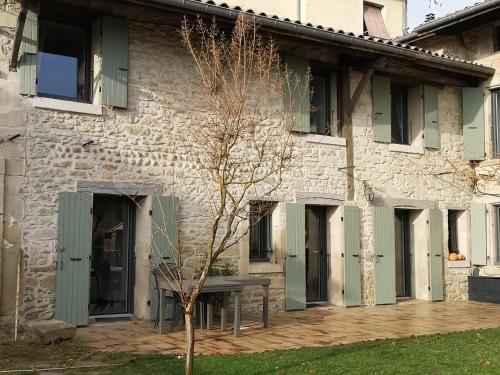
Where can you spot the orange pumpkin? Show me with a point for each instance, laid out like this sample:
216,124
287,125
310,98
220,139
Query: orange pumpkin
462,257
453,256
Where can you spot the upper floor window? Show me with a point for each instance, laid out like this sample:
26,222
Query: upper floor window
373,22
324,102
71,53
400,124
261,223
495,108
63,60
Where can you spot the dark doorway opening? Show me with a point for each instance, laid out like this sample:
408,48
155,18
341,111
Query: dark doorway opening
112,261
316,267
403,254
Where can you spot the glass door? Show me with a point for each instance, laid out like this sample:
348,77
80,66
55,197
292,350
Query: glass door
403,257
112,260
316,266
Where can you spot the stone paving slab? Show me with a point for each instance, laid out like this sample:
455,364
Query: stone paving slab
314,327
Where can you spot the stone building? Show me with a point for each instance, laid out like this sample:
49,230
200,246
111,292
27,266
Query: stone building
473,34
89,111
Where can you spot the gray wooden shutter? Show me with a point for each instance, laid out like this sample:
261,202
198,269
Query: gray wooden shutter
334,112
28,52
352,257
436,254
163,239
296,95
381,98
431,117
114,61
384,255
478,234
473,123
295,245
73,257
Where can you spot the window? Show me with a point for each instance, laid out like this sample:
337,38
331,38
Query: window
373,22
63,63
400,126
453,246
261,230
497,232
324,102
495,108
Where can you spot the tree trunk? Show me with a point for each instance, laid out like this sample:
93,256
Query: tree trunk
188,317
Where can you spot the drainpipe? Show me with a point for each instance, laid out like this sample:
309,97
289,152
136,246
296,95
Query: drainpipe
301,10
405,18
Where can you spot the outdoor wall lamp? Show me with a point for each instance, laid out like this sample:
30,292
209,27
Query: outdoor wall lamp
369,194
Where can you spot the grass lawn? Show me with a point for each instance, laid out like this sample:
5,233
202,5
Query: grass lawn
474,352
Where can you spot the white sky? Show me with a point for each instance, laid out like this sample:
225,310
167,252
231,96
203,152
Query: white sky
417,9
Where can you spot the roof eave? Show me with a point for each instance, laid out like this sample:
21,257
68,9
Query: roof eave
349,40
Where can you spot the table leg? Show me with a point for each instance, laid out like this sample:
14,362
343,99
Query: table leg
237,313
223,318
209,315
161,308
265,305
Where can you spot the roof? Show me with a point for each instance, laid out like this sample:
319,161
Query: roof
461,15
381,46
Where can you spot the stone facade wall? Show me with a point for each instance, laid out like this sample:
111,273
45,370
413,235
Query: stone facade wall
12,161
478,45
141,143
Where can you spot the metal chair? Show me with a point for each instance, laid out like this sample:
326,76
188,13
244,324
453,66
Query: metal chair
174,299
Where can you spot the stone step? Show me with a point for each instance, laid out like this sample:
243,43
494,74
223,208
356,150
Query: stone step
49,331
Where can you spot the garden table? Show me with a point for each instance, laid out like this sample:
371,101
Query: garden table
220,284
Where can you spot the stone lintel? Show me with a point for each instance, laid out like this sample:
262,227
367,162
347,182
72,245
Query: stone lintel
119,188
411,204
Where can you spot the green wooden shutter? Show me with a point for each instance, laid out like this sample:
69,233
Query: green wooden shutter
334,112
478,234
384,255
381,97
28,51
436,254
295,245
473,123
352,257
296,95
114,61
431,117
73,258
163,239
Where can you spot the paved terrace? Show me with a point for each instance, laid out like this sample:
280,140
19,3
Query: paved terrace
321,326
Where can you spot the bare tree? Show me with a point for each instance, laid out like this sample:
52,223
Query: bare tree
239,139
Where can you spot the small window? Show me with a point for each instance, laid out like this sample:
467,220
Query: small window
261,224
373,21
453,246
324,103
495,108
63,60
400,126
457,232
497,232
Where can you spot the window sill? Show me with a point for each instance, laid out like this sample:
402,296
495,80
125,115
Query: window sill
264,267
459,264
407,149
326,140
67,106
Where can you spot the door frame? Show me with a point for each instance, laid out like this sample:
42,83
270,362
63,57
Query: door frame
323,266
407,253
129,226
